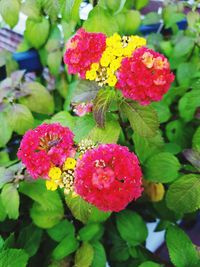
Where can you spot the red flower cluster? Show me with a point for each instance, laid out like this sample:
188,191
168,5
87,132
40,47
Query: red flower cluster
82,50
145,76
47,145
108,177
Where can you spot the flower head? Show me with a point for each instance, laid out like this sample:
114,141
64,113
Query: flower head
145,76
82,108
84,49
46,146
108,177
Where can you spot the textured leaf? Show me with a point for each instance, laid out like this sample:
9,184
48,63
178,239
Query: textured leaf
61,230
193,157
70,11
101,105
2,211
183,46
181,250
39,99
54,60
13,258
139,4
89,231
5,135
65,119
132,21
84,255
131,227
185,72
196,140
183,195
31,8
20,118
99,259
149,264
9,10
162,167
67,246
10,200
143,119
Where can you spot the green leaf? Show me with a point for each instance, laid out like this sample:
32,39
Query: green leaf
163,111
193,157
131,227
84,91
29,239
162,167
184,194
52,8
6,134
181,250
149,264
100,20
79,207
70,12
120,251
65,119
139,4
84,255
54,60
188,105
101,105
20,118
89,231
36,33
39,99
67,246
185,73
108,134
97,215
146,147
61,230
99,259
183,46
132,21
143,119
31,8
196,139
2,211
13,258
10,200
151,18
9,10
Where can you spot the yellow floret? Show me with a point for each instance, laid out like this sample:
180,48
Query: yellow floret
91,75
55,173
51,185
95,66
69,164
115,64
105,60
112,80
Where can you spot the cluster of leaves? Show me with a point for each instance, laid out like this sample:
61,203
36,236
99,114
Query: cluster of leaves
42,227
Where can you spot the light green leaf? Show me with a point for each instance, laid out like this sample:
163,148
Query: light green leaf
9,10
39,99
84,255
143,119
149,264
162,167
139,4
10,200
196,139
36,32
31,8
132,21
20,118
99,259
163,111
54,62
151,18
2,211
183,195
185,72
181,250
67,246
61,230
6,134
183,46
146,147
188,105
65,119
131,227
89,231
97,215
13,258
29,239
70,12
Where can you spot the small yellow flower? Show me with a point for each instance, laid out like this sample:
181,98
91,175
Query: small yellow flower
91,75
69,164
148,60
115,64
51,185
55,173
112,80
95,66
155,191
105,60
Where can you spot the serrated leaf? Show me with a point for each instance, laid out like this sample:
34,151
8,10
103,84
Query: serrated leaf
10,200
67,246
65,119
99,259
84,255
131,227
196,139
13,257
120,251
6,134
143,119
188,105
29,239
37,32
181,250
163,111
84,91
185,73
183,195
39,99
162,167
20,118
101,105
61,230
9,10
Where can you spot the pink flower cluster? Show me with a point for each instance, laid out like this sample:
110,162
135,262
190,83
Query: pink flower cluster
145,76
108,177
82,109
47,145
82,50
